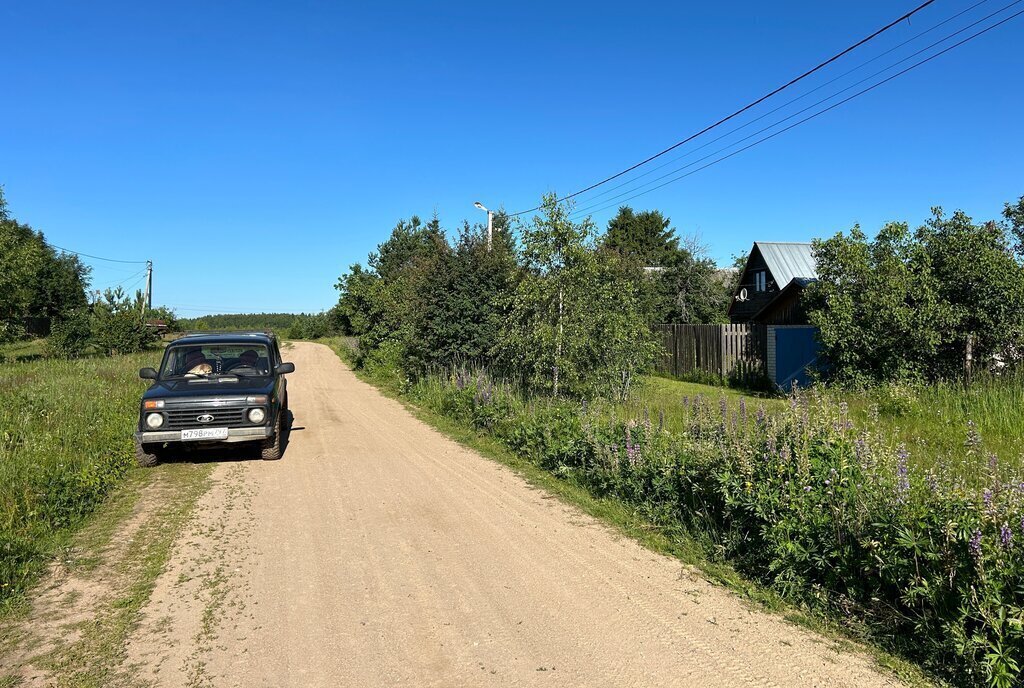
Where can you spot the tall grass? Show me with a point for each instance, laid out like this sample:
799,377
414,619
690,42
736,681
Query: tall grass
65,440
936,420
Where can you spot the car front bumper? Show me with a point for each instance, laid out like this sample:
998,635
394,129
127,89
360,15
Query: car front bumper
234,435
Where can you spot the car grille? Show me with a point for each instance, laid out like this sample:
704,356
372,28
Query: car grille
178,419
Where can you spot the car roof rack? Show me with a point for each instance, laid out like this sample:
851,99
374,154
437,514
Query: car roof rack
246,333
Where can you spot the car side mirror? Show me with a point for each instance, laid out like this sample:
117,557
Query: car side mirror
283,368
147,374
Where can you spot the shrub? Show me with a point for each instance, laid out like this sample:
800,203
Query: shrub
117,324
70,335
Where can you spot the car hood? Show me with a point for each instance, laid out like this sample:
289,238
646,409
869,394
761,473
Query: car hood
185,389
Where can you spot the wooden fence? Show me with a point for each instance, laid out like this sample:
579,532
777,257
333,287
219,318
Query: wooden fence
729,351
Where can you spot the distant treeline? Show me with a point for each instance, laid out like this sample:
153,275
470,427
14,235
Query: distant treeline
239,321
289,325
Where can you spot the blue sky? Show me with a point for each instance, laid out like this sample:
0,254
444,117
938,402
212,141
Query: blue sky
254,150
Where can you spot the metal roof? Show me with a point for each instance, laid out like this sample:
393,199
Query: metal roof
788,261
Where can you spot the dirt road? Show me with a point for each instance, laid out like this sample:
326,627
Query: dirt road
379,553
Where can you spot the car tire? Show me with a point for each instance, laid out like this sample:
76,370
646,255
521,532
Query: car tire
271,449
147,455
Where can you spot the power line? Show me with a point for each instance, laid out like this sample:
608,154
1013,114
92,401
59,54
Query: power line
86,255
818,88
584,210
743,109
821,112
122,281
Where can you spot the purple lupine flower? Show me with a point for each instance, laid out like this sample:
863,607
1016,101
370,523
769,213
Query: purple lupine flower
902,473
993,463
760,414
1005,536
986,497
807,489
975,546
743,410
933,481
632,450
844,416
686,402
860,450
784,453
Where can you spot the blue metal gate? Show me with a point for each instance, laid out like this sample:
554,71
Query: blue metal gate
795,350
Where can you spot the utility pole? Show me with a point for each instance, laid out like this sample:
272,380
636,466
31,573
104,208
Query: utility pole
149,284
490,225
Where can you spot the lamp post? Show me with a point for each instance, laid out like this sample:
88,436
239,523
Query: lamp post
490,224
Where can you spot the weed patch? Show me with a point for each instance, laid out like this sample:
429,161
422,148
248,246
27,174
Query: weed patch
65,441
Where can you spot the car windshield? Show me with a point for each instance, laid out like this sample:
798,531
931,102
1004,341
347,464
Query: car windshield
216,360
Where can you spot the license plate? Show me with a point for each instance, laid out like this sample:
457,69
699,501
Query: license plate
205,434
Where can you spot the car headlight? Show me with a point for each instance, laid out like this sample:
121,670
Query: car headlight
154,420
257,415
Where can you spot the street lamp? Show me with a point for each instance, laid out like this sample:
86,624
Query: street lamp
490,223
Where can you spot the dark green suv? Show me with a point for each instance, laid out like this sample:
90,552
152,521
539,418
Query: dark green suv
215,388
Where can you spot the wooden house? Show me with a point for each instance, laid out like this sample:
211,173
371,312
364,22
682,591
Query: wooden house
771,284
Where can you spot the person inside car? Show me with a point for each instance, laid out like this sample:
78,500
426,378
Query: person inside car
248,359
196,363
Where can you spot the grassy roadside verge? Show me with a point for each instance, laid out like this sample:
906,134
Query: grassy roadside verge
633,523
65,443
74,628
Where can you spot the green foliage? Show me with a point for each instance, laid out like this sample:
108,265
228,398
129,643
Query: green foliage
646,236
461,300
70,334
169,318
905,305
65,441
424,303
117,323
826,513
35,280
577,323
277,322
310,326
1014,214
683,283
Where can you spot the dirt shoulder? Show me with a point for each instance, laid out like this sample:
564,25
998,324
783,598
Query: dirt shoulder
72,629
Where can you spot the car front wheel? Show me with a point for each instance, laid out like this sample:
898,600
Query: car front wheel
147,455
271,449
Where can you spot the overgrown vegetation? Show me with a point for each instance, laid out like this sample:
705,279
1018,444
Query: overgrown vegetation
930,305
562,308
65,440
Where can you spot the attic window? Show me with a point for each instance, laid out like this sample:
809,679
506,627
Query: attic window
760,280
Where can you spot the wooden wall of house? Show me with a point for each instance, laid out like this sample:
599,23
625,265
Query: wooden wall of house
788,309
